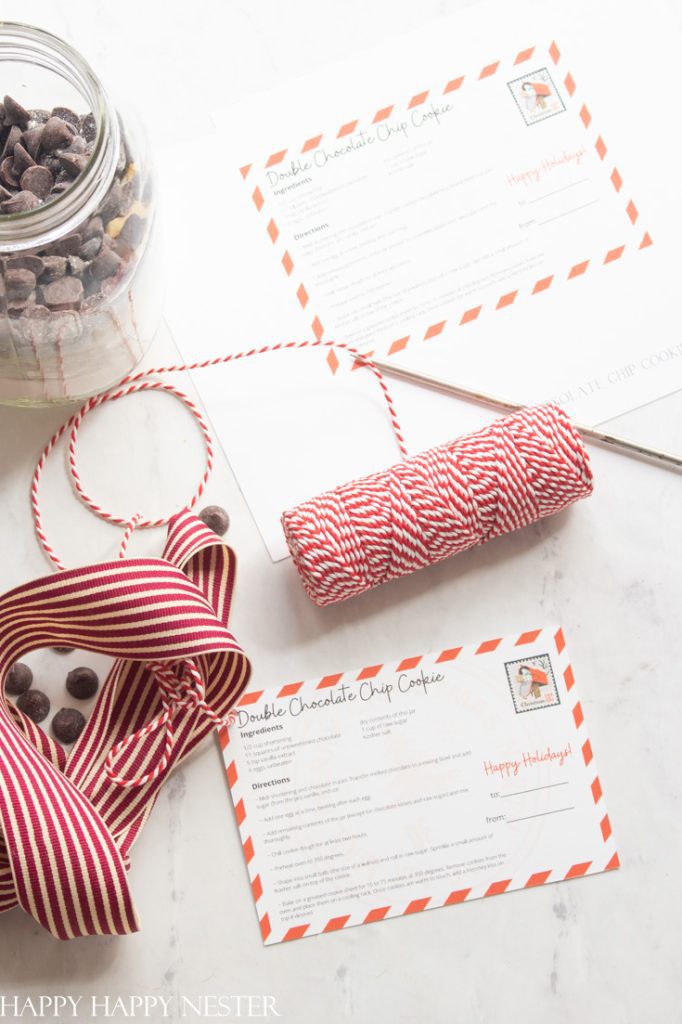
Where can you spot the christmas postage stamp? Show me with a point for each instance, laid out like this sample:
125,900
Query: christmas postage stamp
532,684
536,96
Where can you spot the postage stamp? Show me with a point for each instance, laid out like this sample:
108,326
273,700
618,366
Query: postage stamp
531,683
536,96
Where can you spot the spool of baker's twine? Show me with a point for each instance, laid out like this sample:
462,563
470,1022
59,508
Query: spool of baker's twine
424,509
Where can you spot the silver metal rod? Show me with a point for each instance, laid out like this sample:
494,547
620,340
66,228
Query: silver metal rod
622,444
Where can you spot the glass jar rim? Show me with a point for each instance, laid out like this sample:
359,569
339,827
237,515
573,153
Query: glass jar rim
39,227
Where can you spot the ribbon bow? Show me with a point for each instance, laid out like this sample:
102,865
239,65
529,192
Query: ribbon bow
68,822
180,687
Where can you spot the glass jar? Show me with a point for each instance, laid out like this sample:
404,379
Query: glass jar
80,298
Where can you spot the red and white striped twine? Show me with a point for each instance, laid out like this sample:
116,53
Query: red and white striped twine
424,509
143,381
437,503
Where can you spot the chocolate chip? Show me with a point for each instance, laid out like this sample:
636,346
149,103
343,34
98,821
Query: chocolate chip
22,160
89,249
31,141
77,266
19,679
32,263
88,127
93,228
38,117
4,194
7,175
74,163
13,137
68,724
78,145
52,163
112,203
66,115
19,283
53,267
63,650
63,294
216,518
56,134
67,246
37,180
133,230
106,264
82,683
22,202
14,112
35,705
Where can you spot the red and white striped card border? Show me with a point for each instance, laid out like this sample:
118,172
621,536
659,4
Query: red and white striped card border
607,860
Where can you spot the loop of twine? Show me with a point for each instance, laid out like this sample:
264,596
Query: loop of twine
142,381
177,692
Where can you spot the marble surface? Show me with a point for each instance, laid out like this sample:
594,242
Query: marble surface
603,948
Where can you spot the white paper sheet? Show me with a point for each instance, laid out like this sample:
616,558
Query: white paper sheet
495,232
418,784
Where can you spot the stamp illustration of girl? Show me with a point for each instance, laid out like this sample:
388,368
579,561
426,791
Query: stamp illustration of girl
535,95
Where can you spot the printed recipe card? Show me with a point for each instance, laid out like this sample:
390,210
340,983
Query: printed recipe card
465,198
402,787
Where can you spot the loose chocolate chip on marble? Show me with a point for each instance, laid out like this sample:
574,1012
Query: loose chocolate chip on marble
65,293
67,246
37,180
216,518
56,134
32,263
13,137
53,267
68,724
82,683
88,127
104,265
14,112
133,230
30,140
89,249
35,704
22,202
63,650
19,283
74,163
7,175
19,679
22,160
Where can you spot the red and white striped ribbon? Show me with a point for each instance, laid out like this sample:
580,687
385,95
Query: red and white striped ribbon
67,825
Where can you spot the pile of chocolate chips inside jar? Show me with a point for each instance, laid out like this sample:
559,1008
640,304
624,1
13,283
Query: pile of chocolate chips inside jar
59,300
43,154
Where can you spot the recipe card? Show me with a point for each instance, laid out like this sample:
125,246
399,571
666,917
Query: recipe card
489,199
421,783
